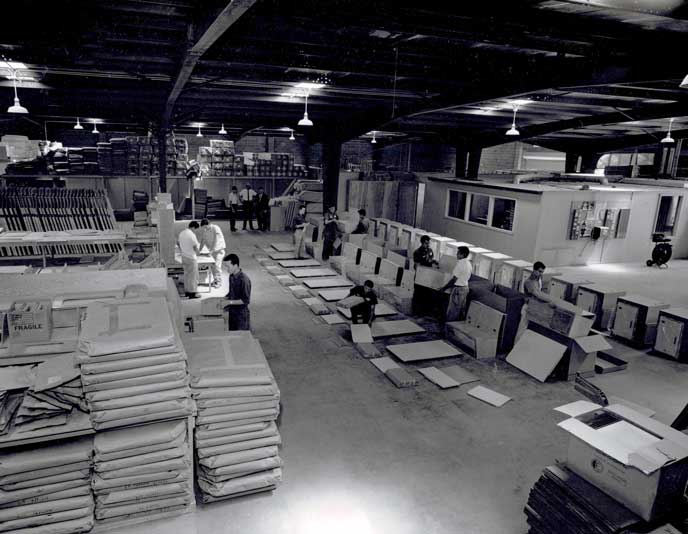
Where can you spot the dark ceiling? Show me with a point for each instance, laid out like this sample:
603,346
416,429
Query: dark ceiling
602,72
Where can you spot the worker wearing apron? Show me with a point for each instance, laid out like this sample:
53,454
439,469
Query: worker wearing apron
239,295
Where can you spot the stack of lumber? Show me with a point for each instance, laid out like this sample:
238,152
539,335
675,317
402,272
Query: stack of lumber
236,436
143,472
47,489
133,366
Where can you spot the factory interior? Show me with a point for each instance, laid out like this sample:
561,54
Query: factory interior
340,267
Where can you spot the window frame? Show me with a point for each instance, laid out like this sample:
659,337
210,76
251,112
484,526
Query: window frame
490,211
679,207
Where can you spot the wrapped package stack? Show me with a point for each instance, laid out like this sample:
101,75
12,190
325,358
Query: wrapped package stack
133,367
47,489
143,472
237,440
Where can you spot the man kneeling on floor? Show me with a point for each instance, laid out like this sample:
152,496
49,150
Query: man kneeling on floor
239,295
364,313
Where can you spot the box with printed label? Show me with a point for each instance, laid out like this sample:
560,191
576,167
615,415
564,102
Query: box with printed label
29,321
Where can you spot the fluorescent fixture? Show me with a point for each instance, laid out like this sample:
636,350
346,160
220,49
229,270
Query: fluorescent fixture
668,138
78,126
309,86
16,65
199,134
519,102
222,130
513,131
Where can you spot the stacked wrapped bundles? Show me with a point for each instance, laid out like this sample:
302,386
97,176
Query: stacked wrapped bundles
119,148
143,471
105,158
133,368
237,440
47,489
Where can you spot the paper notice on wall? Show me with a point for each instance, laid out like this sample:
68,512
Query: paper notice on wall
249,159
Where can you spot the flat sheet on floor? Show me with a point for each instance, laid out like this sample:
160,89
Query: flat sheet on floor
401,378
536,355
423,350
283,247
332,295
460,374
312,273
299,291
436,376
385,363
361,333
283,255
333,318
317,283
291,264
401,327
489,396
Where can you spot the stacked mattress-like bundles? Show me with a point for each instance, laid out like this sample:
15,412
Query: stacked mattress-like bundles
47,490
143,471
237,440
133,367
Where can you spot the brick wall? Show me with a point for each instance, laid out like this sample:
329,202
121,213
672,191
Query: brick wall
500,158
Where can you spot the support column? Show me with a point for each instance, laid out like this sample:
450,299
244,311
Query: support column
332,156
461,161
589,162
162,159
473,162
571,164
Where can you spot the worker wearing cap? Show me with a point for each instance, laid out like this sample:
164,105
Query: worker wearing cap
214,240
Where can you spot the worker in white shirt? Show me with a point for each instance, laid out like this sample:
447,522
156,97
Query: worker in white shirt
212,237
233,205
247,196
190,247
459,286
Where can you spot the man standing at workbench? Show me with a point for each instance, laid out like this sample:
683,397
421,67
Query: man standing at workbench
239,295
190,248
213,238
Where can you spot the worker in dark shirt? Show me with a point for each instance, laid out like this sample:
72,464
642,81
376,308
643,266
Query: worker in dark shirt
424,255
262,203
239,295
364,313
363,223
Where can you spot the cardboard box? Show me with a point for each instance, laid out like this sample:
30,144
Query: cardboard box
432,278
640,462
30,321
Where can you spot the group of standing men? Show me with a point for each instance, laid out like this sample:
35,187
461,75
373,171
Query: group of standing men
251,203
191,241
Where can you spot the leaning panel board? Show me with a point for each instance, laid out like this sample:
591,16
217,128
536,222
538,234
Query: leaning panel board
282,255
311,273
283,247
404,327
290,264
317,283
536,355
423,350
332,295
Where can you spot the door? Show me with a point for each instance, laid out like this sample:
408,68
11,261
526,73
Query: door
625,320
587,300
669,332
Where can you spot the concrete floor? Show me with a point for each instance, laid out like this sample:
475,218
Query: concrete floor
363,457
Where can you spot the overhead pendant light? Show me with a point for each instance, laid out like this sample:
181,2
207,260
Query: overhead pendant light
668,138
291,137
684,83
513,131
95,128
374,141
17,107
78,126
306,121
199,134
222,130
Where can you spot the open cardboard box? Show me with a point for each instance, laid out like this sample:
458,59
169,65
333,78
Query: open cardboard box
640,462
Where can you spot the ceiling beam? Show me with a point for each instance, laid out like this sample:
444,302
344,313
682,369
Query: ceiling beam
228,16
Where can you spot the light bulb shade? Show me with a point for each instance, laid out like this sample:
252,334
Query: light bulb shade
305,121
668,139
17,107
199,134
374,141
512,131
78,126
95,130
222,130
684,83
291,137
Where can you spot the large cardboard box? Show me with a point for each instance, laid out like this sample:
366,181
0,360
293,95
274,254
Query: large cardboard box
640,462
30,321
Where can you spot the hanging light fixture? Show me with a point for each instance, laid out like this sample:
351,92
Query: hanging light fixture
291,137
374,141
513,131
668,138
78,126
222,130
306,121
95,127
17,107
199,134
